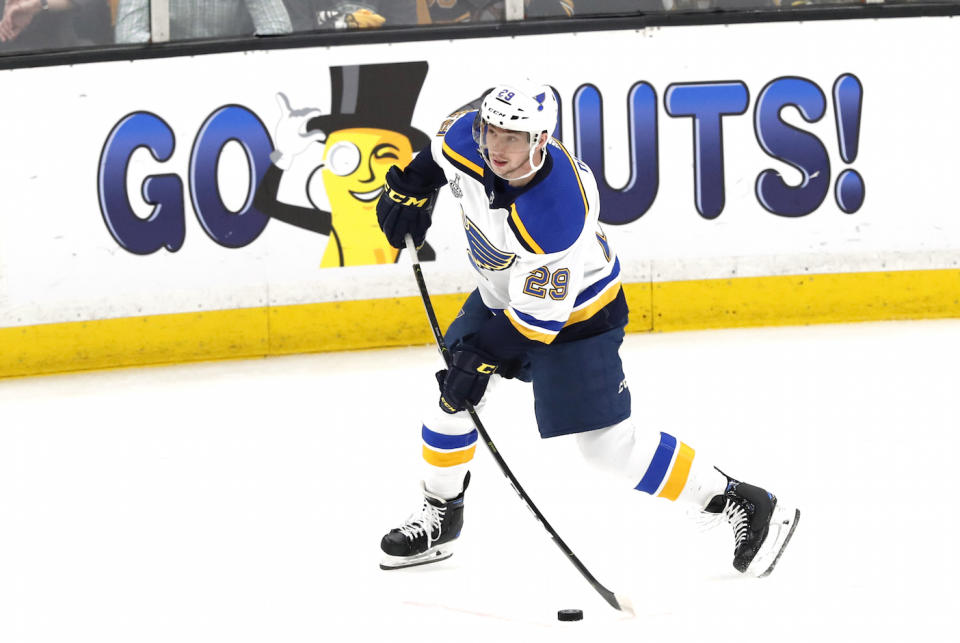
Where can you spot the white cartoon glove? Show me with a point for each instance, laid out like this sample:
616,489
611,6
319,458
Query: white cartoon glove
291,135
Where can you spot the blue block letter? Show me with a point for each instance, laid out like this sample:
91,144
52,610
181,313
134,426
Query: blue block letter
228,123
796,147
630,202
165,225
707,103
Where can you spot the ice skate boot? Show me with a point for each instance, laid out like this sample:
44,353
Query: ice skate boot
427,536
761,526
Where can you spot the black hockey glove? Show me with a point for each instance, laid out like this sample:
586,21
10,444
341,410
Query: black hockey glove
400,212
465,380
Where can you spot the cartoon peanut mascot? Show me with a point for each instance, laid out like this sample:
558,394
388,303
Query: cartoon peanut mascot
367,131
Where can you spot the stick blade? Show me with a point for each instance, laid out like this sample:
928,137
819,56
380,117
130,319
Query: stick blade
625,604
617,601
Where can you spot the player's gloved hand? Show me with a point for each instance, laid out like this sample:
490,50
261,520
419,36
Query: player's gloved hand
400,212
364,19
466,379
290,135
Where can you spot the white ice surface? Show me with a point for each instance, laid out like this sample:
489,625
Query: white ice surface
244,501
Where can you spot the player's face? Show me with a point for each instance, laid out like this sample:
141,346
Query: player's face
509,151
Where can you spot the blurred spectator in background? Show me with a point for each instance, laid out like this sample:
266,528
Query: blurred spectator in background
600,7
32,25
447,11
204,19
310,15
548,8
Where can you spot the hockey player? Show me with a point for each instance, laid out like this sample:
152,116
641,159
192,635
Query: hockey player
548,309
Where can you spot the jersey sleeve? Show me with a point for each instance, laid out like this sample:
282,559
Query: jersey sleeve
423,174
454,145
428,169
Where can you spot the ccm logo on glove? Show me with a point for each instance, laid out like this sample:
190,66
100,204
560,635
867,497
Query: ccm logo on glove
403,199
403,213
487,369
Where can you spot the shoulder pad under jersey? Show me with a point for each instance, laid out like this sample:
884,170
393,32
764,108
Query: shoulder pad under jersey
550,216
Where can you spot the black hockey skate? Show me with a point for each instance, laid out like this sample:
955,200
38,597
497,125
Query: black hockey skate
426,536
761,527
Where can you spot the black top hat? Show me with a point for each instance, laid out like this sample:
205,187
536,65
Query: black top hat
382,96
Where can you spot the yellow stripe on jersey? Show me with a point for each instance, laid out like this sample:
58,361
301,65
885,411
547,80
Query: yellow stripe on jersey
448,458
679,473
523,231
529,333
459,158
590,310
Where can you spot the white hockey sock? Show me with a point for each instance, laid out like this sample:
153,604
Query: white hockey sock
664,466
703,483
449,442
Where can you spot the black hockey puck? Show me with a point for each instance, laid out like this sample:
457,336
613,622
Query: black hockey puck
570,615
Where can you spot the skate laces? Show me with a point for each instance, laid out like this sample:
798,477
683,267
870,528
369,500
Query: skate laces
737,516
732,513
424,522
704,520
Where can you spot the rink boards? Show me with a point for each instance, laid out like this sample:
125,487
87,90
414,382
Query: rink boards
810,184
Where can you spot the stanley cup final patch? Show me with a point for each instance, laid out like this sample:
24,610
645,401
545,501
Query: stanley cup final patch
455,187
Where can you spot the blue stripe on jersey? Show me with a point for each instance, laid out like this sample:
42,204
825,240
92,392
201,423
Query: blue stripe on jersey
443,441
554,210
659,465
594,289
552,326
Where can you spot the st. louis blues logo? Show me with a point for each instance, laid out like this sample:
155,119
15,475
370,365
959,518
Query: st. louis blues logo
483,254
540,98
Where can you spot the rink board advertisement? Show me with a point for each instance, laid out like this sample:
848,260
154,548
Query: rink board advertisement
749,174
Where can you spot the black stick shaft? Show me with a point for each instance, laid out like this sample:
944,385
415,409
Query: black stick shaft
607,595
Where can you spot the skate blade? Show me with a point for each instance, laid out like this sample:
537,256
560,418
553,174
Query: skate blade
782,525
432,555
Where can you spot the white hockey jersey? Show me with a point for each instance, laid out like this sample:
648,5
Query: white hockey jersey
541,257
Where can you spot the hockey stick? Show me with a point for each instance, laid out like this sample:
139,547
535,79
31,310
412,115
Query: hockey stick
616,601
